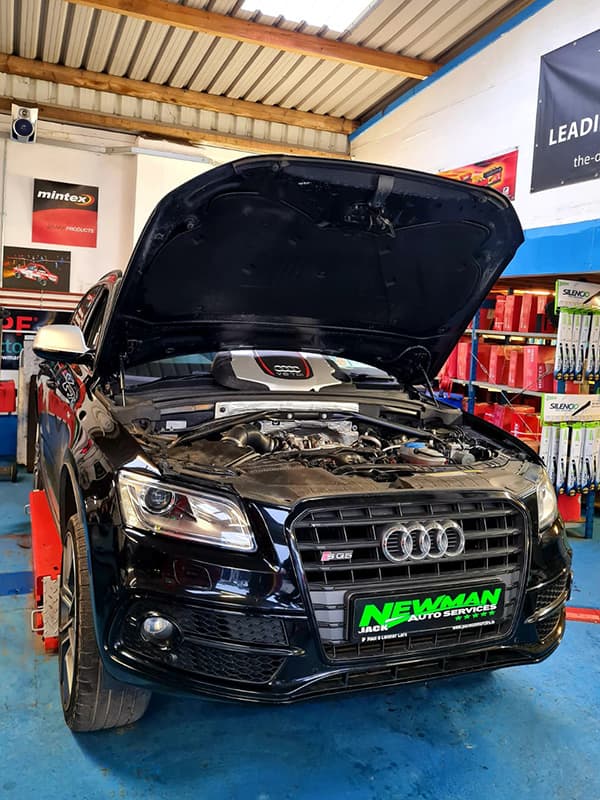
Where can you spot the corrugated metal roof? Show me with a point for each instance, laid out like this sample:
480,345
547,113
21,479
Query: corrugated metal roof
81,37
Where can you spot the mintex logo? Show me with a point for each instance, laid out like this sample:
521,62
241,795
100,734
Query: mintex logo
76,199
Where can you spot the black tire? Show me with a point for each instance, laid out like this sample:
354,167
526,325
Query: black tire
37,474
32,422
88,704
43,283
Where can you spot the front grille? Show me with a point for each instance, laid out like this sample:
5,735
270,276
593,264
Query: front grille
551,591
495,532
200,659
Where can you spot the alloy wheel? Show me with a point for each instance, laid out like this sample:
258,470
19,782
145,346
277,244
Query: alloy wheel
67,620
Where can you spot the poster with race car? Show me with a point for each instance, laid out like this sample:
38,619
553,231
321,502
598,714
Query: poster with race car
36,270
499,172
64,213
19,323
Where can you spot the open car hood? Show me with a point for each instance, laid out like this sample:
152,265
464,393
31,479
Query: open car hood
381,265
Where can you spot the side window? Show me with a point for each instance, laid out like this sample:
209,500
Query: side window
85,304
93,321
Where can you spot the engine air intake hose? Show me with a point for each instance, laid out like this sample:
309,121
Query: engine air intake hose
249,436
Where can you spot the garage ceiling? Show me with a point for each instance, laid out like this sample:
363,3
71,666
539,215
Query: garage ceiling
206,71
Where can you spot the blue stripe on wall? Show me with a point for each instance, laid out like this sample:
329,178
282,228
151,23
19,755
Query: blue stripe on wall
570,248
16,583
523,15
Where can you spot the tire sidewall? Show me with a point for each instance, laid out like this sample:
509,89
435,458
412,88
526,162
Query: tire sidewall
76,622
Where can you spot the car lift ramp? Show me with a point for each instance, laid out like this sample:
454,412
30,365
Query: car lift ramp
46,553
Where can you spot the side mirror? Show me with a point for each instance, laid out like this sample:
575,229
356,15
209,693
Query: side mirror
62,343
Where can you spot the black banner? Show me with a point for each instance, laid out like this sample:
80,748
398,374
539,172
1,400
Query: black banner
567,130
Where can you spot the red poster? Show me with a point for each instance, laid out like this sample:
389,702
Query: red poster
499,172
64,213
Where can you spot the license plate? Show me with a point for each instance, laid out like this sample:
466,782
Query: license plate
393,616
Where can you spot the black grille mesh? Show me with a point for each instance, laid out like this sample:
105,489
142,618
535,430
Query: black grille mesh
221,625
494,548
551,592
200,659
548,624
198,627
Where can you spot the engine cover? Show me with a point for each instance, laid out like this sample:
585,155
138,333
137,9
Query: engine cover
273,371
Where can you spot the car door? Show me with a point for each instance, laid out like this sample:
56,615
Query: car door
61,388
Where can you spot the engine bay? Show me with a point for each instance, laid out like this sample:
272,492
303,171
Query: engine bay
260,412
375,441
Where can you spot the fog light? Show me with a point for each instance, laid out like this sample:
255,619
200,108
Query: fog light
157,629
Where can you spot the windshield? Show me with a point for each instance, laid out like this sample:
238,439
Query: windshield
200,364
183,366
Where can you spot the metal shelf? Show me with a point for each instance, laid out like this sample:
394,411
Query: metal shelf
494,387
522,334
550,337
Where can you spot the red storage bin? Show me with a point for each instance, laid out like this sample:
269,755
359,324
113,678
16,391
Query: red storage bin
463,360
515,367
449,368
498,372
521,420
499,313
483,409
512,312
529,310
538,367
8,397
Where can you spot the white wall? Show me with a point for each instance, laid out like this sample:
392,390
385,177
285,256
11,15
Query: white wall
155,176
487,106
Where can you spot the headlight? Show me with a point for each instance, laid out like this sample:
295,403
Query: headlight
547,503
148,504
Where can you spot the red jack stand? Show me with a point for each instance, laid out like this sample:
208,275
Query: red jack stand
46,549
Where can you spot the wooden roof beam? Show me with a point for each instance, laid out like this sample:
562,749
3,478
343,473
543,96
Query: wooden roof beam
194,19
102,82
176,133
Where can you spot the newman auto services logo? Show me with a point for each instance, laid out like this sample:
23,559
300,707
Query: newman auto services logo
377,619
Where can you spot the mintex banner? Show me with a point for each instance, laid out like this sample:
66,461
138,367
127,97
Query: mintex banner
64,213
499,172
567,129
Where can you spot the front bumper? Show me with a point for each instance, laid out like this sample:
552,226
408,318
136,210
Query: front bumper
252,635
307,678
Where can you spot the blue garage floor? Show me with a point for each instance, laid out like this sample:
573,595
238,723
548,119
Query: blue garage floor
528,732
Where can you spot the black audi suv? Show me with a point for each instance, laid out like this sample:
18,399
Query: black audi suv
259,497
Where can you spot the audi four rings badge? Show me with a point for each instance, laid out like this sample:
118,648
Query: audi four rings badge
416,541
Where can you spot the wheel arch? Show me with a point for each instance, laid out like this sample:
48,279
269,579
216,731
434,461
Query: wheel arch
70,499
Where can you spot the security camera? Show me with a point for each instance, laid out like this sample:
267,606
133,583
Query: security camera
24,124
